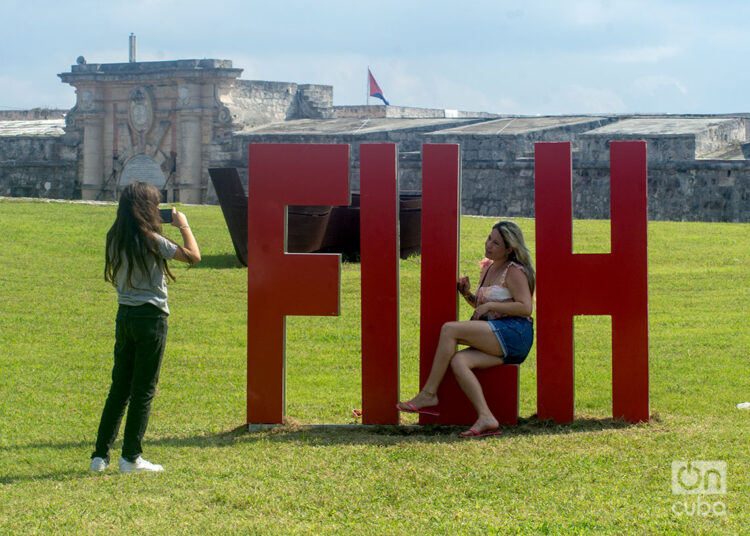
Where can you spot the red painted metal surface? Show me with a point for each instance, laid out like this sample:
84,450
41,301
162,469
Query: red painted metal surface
379,200
280,283
598,284
441,189
500,388
441,196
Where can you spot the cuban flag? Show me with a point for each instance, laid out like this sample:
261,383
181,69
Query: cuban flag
375,90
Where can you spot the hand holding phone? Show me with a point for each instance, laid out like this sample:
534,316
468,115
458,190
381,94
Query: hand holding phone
179,219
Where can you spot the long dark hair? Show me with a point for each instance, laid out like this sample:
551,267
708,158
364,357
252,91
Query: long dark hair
513,237
132,234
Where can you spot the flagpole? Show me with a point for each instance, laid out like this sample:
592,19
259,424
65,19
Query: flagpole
367,92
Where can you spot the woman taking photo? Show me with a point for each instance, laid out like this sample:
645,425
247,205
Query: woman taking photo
136,258
499,332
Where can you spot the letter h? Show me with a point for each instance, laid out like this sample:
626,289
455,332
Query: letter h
599,284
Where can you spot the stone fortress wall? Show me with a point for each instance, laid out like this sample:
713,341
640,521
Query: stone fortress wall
168,122
696,165
36,158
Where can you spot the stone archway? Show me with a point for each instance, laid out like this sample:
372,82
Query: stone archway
146,115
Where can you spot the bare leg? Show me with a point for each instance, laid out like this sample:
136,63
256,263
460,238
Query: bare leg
462,364
476,334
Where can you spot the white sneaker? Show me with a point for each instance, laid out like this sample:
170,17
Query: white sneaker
139,466
98,464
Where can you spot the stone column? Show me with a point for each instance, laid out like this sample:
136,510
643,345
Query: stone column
189,161
93,157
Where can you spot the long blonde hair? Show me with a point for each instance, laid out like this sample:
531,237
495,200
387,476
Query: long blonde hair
513,237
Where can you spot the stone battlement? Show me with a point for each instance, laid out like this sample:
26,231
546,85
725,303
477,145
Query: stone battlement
36,114
147,67
404,112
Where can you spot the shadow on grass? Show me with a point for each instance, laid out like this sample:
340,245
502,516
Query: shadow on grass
59,476
388,435
218,262
340,434
333,435
392,434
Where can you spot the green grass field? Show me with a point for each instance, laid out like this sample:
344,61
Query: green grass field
595,476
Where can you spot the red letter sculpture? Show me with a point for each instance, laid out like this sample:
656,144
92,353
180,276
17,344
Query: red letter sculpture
441,197
441,202
280,283
598,284
379,200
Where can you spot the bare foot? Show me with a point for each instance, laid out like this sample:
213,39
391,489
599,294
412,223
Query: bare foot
483,425
423,400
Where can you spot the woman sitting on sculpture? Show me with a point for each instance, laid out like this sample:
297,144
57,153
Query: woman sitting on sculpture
499,332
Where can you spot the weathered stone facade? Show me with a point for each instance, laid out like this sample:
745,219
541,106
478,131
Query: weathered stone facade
161,121
168,122
36,158
498,159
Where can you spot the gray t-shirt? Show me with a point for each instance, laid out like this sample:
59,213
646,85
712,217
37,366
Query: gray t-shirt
149,288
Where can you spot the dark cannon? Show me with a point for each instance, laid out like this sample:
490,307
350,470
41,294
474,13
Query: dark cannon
314,228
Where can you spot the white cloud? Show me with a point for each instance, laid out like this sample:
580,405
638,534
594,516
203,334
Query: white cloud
438,91
25,94
650,86
596,12
644,54
514,57
347,73
588,12
579,99
404,82
427,84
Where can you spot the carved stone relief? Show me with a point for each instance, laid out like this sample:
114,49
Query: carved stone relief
86,100
140,110
183,96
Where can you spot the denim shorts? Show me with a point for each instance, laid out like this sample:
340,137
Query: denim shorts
515,334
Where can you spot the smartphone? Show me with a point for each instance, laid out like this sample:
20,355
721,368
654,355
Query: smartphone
166,215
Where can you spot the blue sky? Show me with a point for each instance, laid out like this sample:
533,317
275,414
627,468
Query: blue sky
516,57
